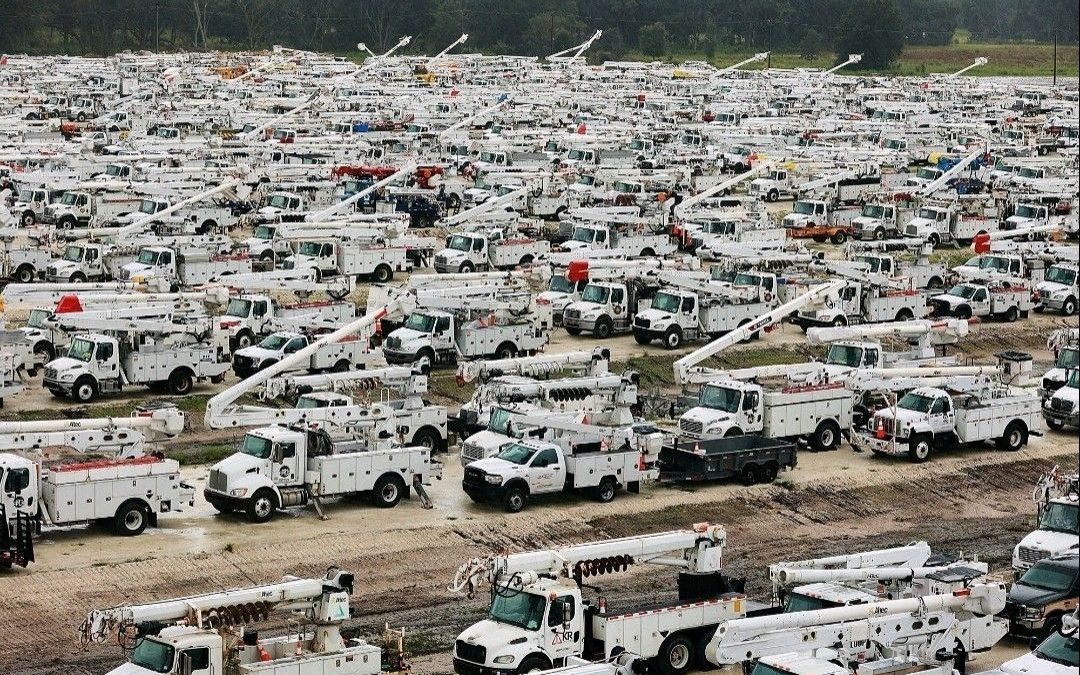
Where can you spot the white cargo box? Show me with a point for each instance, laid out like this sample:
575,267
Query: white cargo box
93,490
990,417
359,660
589,468
643,632
474,340
797,411
357,472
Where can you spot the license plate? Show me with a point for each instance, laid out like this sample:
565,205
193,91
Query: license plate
1057,421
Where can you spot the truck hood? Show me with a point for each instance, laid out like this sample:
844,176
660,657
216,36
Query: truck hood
65,363
865,220
61,264
488,440
1020,221
573,245
237,464
257,353
133,268
1047,540
451,254
255,242
557,299
269,211
1049,288
1067,394
1030,596
586,308
656,315
499,467
1029,664
407,336
494,635
131,669
944,298
796,219
707,417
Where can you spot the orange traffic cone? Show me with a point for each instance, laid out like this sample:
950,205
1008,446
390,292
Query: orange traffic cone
879,433
263,654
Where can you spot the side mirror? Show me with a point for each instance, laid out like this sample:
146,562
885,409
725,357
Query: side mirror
277,455
558,612
186,666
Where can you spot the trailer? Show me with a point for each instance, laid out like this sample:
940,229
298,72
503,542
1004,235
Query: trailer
751,459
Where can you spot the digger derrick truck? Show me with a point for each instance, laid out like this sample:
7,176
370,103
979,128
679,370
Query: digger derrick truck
539,617
212,633
1057,501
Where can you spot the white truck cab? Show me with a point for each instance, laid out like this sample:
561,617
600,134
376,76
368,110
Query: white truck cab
1058,533
1058,654
1062,409
1059,290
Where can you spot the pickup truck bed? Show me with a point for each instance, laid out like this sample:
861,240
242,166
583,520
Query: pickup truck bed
724,458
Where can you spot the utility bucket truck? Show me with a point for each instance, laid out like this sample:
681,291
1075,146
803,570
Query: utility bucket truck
494,249
214,633
1057,503
539,616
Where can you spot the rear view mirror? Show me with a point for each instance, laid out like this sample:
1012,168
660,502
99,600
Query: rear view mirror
186,666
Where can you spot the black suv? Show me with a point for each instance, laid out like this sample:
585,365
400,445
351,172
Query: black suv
1049,590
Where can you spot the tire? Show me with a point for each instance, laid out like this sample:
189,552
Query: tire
342,366
180,382
382,274
919,449
839,322
429,355
647,252
879,234
266,256
244,339
45,350
533,664
935,283
673,338
642,339
1055,426
1014,438
260,508
826,436
934,240
85,390
24,274
429,438
28,218
773,195
820,239
67,223
515,499
749,474
904,314
839,238
81,117
388,491
207,226
525,260
769,472
1068,308
506,350
603,328
466,268
1012,314
78,278
676,655
963,312
605,492
573,331
131,519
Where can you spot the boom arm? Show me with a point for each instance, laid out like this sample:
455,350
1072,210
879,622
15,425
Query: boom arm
533,366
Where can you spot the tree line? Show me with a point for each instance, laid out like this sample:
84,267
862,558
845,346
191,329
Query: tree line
652,28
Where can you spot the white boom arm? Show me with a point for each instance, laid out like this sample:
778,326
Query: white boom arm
122,436
484,207
698,550
719,188
399,378
400,43
884,623
225,607
138,225
534,366
684,366
788,578
221,411
457,125
932,186
914,554
948,329
331,210
981,61
851,60
577,50
460,41
756,58
285,115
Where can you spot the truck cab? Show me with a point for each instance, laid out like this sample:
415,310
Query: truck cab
153,262
992,264
773,186
924,176
318,255
1059,289
147,207
265,244
1058,534
538,465
426,336
1062,409
604,308
561,291
281,204
807,213
1027,215
588,237
29,206
1043,595
466,252
91,366
73,208
80,262
19,478
1058,654
176,650
249,360
876,221
727,408
244,318
931,223
1066,360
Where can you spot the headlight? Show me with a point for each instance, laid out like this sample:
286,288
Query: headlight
1032,612
238,492
67,377
504,659
494,480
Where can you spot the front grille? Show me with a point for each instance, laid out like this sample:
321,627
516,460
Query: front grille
692,427
241,361
642,322
472,452
1031,556
217,481
50,374
440,260
1061,405
470,652
571,314
474,477
392,342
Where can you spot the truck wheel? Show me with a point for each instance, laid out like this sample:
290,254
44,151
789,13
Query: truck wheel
573,331
642,338
673,338
840,237
44,352
85,390
67,223
605,492
769,472
342,366
1055,425
244,339
515,499
749,474
180,382
266,256
78,278
839,321
603,328
207,226
1012,314
533,664
826,436
466,267
506,350
382,274
525,260
879,234
388,491
904,314
935,283
676,655
1015,437
261,507
428,438
934,240
28,218
25,274
130,519
426,359
919,449
1068,308
819,239
647,252
773,195
963,312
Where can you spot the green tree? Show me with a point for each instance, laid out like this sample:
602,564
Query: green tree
551,32
810,45
872,28
653,39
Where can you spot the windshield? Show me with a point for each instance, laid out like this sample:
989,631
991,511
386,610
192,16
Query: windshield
576,154
916,402
624,187
153,655
147,257
38,317
637,144
238,307
26,196
263,232
68,199
499,421
844,355
797,602
872,263
488,157
719,398
742,279
962,291
112,170
1060,517
274,342
81,349
73,253
278,201
993,262
515,453
560,284
1059,648
147,206
1028,172
256,446
873,211
1048,577
420,322
765,669
666,302
586,180
307,403
1074,380
1068,358
597,294
310,248
460,243
1061,275
584,234
1026,211
718,227
930,214
804,208
928,174
523,610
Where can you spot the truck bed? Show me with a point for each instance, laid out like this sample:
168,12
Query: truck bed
355,472
723,457
91,490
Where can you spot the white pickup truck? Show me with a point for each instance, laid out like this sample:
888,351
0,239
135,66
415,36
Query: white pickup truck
338,357
1008,302
529,468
